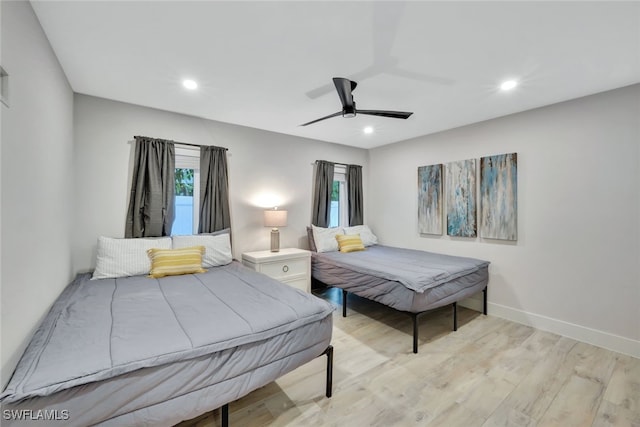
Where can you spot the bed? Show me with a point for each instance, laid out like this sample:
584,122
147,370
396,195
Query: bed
407,280
142,351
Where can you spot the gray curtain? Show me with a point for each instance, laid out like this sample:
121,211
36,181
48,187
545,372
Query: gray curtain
322,186
151,202
354,194
214,190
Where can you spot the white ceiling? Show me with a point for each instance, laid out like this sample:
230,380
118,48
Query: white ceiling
268,65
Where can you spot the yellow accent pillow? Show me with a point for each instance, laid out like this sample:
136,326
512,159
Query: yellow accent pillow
349,242
172,262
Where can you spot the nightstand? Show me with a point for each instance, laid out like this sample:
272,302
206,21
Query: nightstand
291,266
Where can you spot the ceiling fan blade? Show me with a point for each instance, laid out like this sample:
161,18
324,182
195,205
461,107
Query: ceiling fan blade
383,113
319,91
344,88
395,71
339,113
328,88
386,15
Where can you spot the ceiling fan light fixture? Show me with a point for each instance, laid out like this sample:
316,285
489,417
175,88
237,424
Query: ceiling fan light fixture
349,111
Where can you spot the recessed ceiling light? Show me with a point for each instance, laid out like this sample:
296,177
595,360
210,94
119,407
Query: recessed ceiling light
368,130
508,85
190,84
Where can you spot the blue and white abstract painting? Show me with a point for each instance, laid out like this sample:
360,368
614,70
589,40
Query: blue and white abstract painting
499,196
461,198
430,199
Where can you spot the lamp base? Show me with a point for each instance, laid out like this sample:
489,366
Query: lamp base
275,240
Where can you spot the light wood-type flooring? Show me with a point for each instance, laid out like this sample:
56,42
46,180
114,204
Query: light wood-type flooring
491,372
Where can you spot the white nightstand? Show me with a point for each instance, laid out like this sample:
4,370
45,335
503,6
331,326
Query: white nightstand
291,266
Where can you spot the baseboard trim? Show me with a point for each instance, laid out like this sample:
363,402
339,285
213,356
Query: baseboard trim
580,333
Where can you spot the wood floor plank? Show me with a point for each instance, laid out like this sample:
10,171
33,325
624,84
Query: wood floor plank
534,394
456,415
505,416
486,396
575,405
624,386
517,362
611,415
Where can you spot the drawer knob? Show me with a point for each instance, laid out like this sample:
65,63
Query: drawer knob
285,268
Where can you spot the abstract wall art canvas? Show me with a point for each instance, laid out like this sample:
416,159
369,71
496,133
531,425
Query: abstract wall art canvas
430,199
498,196
460,182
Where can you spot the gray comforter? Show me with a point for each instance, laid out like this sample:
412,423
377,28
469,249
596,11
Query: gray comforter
103,328
417,270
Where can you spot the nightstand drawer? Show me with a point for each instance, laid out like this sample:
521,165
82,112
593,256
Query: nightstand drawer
290,265
285,268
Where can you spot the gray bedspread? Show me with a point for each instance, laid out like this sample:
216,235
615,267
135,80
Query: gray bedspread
100,329
417,270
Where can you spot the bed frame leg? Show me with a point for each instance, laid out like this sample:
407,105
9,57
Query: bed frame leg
329,353
415,332
344,303
224,411
484,300
455,316
225,415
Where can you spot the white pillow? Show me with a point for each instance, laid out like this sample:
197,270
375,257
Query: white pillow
366,235
325,238
126,257
217,247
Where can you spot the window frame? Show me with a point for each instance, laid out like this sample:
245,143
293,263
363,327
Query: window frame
340,175
189,158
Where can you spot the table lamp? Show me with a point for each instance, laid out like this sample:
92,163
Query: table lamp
275,218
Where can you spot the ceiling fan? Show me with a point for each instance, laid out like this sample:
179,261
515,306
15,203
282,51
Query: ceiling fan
344,88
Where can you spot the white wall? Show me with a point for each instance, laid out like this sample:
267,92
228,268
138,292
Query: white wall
262,166
37,165
574,269
2,107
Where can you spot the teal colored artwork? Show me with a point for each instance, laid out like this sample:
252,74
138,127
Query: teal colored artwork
430,199
499,197
461,198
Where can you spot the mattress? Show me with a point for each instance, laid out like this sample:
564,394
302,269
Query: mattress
141,351
439,279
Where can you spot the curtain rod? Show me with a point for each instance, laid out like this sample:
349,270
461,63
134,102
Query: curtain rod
339,164
178,142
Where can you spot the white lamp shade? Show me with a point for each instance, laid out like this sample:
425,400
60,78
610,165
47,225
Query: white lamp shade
275,218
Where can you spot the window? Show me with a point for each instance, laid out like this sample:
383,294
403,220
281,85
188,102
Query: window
187,192
338,217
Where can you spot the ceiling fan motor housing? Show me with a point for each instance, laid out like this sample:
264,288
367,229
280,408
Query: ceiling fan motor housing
345,87
349,110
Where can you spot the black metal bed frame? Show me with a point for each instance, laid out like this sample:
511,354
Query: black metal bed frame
414,316
224,410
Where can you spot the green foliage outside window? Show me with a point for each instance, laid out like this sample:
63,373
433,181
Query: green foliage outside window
184,182
335,191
